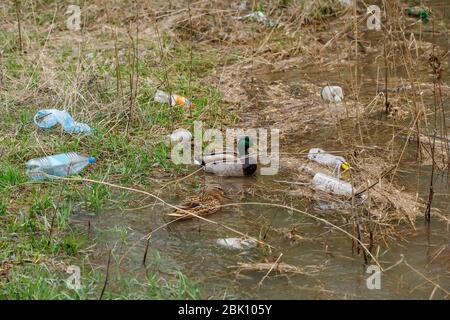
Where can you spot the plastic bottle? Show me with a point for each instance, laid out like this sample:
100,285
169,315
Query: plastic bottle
173,99
236,243
320,156
47,118
332,94
332,185
60,165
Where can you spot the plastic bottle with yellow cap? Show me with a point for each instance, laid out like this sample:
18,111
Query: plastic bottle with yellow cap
336,162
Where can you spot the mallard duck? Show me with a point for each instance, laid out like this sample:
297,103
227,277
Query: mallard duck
203,204
230,164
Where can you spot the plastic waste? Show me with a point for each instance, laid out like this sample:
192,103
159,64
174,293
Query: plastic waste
419,12
332,94
320,156
261,17
239,6
346,3
173,99
237,243
321,205
177,136
60,165
48,118
332,185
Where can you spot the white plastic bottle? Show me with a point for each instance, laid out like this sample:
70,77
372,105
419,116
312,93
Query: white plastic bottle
332,185
59,165
173,99
332,94
162,97
320,156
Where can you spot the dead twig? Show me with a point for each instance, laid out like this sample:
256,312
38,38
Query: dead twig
270,270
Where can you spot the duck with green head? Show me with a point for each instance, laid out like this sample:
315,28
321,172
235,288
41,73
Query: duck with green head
230,164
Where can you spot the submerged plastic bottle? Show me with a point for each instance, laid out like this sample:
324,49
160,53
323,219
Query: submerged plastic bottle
332,94
320,156
236,243
332,185
173,99
60,165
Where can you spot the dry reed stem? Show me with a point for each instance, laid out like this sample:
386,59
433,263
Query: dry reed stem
270,270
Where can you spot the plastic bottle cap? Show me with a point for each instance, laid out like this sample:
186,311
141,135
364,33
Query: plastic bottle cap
345,166
91,160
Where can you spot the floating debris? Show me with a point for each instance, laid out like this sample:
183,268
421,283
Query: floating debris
237,243
335,162
332,185
280,267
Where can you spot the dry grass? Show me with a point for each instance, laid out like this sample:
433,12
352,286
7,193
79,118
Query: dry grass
278,267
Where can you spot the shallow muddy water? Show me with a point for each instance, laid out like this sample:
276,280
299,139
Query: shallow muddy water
335,272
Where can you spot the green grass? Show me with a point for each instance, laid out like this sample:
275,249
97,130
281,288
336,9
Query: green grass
70,245
181,288
10,176
3,209
95,196
36,282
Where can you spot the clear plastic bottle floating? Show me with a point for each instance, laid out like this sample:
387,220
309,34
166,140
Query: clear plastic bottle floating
236,243
60,165
332,185
173,99
320,156
332,94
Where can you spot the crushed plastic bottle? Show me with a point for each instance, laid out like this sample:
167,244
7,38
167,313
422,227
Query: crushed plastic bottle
173,99
237,243
48,118
346,3
320,156
60,165
332,94
332,185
